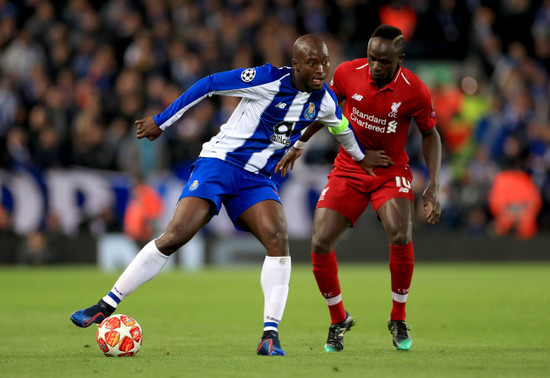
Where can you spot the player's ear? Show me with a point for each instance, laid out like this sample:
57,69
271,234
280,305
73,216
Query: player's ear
294,62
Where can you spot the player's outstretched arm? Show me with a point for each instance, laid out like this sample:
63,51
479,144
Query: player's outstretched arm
431,148
147,128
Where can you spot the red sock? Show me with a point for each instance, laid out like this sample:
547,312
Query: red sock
325,270
401,269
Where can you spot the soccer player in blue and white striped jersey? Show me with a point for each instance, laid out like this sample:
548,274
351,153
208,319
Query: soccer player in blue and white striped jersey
234,169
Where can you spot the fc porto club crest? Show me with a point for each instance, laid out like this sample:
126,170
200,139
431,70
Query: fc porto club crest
194,185
309,113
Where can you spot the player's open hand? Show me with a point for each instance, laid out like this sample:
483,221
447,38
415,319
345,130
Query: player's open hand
288,161
373,159
147,128
430,202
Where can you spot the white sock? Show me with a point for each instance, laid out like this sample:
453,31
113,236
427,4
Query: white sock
274,280
145,266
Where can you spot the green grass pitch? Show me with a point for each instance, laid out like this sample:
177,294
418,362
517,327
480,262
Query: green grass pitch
466,320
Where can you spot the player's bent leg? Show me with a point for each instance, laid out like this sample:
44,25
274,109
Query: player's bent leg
190,215
94,314
400,334
335,339
266,221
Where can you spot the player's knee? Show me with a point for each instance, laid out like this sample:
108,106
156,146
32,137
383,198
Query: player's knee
320,245
400,237
276,242
169,242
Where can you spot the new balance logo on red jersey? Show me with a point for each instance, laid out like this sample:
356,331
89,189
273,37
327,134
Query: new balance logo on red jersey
357,97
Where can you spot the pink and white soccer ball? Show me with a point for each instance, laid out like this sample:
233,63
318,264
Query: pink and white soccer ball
119,336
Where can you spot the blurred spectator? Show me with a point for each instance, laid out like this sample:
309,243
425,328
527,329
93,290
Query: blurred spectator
34,250
90,147
515,202
144,207
21,55
8,104
5,220
401,15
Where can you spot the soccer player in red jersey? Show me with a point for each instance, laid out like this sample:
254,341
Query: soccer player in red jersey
381,99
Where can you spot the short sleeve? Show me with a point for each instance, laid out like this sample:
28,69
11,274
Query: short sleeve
424,113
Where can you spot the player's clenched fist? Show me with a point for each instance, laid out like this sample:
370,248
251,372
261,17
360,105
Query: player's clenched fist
147,128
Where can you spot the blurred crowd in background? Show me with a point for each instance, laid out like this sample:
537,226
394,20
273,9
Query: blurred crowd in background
74,75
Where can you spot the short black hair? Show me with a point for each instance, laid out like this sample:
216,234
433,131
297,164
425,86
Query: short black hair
390,33
387,32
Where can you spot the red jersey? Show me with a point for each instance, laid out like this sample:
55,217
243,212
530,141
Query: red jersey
380,118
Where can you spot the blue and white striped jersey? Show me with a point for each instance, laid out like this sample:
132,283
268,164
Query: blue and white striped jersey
270,118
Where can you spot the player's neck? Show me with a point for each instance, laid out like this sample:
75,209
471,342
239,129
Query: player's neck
382,84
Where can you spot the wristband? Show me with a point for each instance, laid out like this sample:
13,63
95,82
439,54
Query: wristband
299,145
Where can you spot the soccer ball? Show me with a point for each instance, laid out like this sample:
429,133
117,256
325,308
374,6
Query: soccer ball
119,335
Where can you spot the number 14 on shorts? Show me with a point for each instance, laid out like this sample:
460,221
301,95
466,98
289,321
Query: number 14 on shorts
403,184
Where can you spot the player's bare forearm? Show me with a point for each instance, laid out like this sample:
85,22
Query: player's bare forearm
431,148
311,130
147,128
288,161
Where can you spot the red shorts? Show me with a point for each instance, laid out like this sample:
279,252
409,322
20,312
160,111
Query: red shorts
349,192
